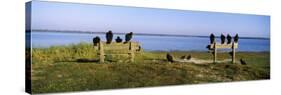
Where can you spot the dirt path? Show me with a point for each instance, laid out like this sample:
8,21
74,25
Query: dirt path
201,61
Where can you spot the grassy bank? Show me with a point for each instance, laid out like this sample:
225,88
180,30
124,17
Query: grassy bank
75,68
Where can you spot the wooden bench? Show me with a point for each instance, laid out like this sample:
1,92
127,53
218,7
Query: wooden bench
114,48
215,46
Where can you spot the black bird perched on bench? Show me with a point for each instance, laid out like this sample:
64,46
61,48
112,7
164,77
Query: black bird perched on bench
228,39
243,62
128,37
96,40
222,39
212,38
109,37
236,38
170,57
118,39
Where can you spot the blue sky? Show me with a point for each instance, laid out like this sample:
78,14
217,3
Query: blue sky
100,18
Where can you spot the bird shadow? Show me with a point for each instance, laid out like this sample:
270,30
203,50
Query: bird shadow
85,60
81,60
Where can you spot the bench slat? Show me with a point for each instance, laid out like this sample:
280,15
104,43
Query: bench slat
224,45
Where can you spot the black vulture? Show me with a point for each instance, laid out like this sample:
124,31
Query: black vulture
96,40
188,57
170,57
243,62
222,39
212,38
183,57
228,39
118,39
208,47
128,37
109,37
236,37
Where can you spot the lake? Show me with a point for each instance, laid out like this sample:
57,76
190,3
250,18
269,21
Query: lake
148,43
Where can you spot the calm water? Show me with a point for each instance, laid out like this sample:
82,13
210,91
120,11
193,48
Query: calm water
150,43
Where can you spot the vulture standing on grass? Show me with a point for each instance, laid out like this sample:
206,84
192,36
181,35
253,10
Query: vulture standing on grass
118,39
170,57
109,37
228,39
128,37
183,57
96,40
212,38
243,62
236,38
186,57
222,39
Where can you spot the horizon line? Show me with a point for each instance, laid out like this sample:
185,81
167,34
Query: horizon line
145,34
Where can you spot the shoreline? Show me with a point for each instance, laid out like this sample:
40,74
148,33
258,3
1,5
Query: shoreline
139,34
146,50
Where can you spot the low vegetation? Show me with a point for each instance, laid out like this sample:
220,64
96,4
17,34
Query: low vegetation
76,68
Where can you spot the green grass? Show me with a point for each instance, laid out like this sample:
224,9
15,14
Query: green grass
75,68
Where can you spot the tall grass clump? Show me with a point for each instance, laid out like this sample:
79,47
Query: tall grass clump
63,53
